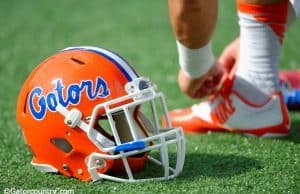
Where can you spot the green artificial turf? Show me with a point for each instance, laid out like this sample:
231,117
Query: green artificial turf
138,30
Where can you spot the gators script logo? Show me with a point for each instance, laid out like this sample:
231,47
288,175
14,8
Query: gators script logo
40,102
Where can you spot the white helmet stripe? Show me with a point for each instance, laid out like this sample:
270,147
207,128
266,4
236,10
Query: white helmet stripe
124,67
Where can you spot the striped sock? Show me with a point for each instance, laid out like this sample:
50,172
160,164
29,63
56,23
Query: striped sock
262,30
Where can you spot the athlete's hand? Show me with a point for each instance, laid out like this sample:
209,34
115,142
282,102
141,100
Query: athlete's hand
230,56
202,86
207,84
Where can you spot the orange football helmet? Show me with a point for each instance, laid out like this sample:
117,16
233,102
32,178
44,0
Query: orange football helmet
85,113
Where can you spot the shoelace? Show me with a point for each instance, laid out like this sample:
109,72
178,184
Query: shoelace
224,109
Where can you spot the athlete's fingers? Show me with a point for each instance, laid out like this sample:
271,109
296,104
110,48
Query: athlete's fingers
230,55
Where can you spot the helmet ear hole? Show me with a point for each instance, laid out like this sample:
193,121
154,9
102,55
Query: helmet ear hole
62,144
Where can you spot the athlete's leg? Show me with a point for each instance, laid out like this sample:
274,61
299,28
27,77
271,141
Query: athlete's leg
193,23
250,101
262,27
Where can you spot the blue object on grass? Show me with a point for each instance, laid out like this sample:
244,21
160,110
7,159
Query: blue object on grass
292,98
